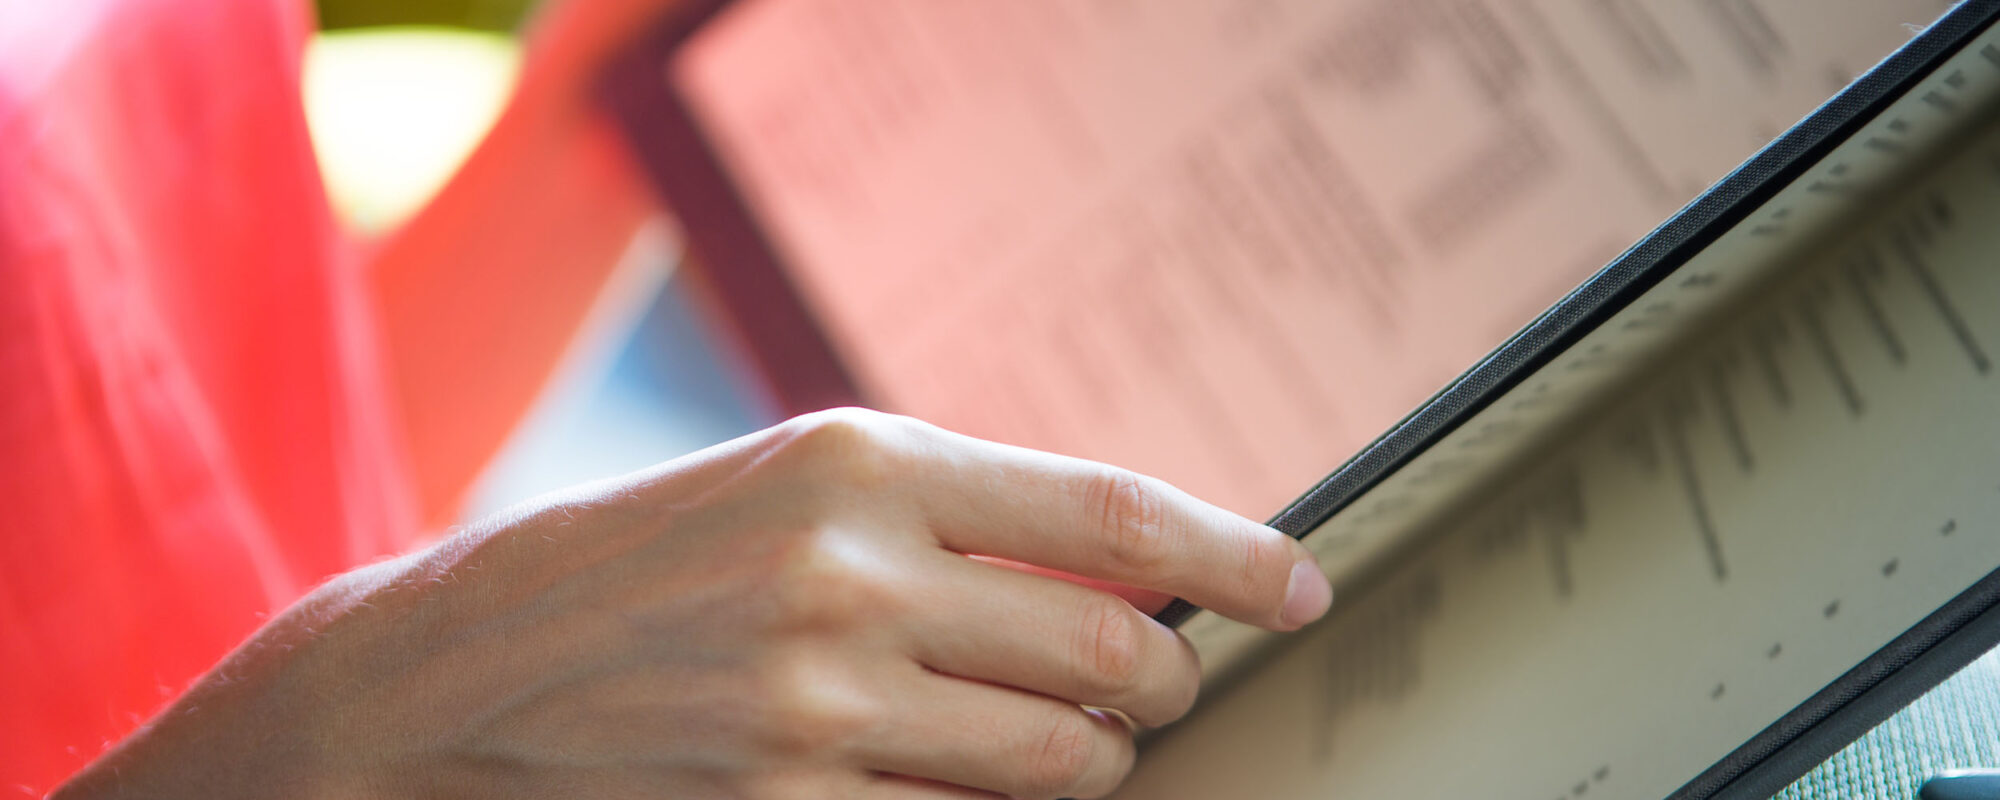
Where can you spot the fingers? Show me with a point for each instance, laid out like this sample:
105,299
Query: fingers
1108,523
1145,600
999,739
902,787
1042,634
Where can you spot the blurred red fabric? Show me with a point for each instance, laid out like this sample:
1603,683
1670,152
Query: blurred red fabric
193,426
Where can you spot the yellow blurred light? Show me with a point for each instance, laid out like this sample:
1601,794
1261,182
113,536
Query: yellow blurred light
394,111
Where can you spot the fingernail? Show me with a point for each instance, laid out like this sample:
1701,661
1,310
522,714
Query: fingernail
1307,596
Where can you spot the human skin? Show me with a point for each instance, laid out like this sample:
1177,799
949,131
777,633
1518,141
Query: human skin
790,614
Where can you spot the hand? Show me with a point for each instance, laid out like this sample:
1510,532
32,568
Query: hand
792,614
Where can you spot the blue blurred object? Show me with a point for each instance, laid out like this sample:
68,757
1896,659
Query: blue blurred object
662,387
1983,784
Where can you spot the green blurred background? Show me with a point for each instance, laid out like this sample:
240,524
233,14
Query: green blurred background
482,15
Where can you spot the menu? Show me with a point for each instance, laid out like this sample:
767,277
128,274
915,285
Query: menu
1228,242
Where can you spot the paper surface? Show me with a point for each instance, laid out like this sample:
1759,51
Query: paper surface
1790,468
1228,243
1768,507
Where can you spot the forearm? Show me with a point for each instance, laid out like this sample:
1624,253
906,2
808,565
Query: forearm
480,292
265,721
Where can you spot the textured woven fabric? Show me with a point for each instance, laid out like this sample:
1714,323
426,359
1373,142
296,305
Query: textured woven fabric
1955,725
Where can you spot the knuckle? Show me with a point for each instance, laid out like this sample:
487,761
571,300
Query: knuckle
1063,760
1185,688
813,711
1132,515
1267,563
853,446
829,580
1110,648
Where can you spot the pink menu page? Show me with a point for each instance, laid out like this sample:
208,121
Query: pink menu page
1228,242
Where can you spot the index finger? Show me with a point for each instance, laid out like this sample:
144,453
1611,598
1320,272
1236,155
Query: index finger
1104,522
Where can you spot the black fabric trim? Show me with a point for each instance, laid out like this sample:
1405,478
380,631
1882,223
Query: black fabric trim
736,263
